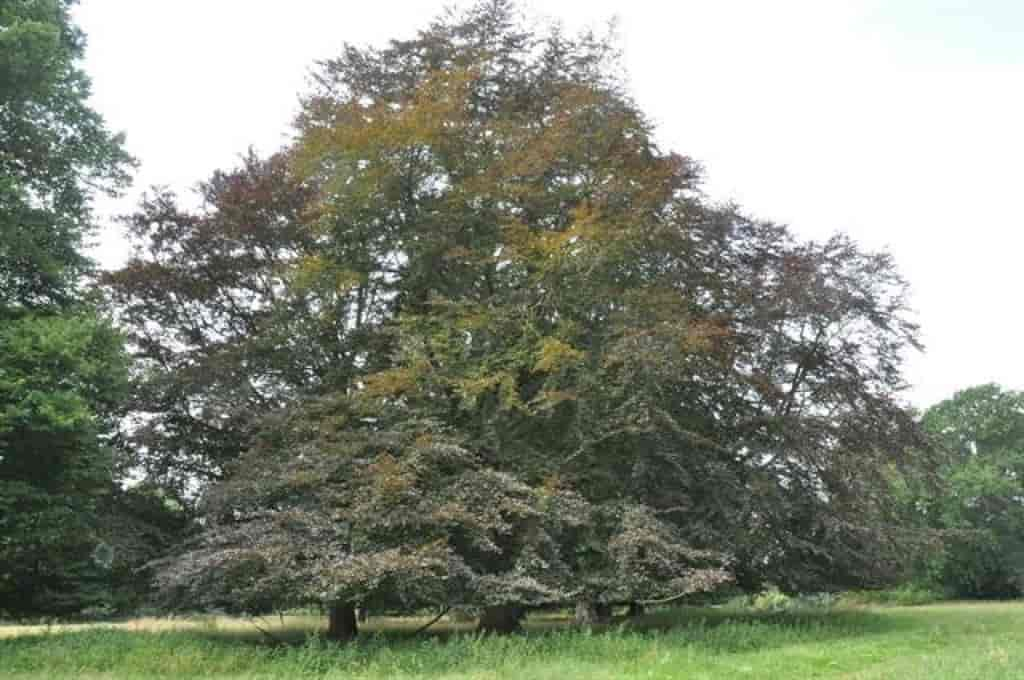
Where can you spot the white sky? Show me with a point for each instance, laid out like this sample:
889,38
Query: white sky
896,121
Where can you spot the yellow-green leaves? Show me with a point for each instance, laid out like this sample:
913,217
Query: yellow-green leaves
317,273
555,355
391,382
500,384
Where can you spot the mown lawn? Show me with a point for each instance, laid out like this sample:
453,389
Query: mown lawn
935,642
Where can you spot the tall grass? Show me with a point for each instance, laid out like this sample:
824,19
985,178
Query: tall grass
936,642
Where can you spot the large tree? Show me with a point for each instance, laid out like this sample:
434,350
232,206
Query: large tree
565,374
61,366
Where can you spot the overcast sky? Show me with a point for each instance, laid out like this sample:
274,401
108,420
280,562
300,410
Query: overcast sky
898,122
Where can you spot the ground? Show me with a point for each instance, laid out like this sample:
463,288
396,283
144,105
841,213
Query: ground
953,640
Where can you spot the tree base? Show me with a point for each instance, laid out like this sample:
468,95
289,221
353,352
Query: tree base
341,623
589,613
504,619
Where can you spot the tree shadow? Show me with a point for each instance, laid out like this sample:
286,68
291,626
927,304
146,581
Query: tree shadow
717,630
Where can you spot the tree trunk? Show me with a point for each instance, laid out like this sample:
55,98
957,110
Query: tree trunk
635,609
500,619
589,612
341,622
586,613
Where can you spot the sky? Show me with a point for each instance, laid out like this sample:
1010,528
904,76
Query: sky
898,122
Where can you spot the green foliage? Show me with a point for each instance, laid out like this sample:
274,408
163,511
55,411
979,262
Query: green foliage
771,600
60,381
137,525
904,596
56,150
62,368
978,503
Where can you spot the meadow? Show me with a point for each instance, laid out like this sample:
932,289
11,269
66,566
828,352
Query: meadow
950,640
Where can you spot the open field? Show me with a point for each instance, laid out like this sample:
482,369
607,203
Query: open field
934,642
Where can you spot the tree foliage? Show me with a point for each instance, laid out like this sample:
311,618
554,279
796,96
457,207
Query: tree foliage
56,151
217,320
978,506
61,366
476,339
60,379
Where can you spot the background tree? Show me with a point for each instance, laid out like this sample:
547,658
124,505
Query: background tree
566,375
979,505
56,151
61,366
60,380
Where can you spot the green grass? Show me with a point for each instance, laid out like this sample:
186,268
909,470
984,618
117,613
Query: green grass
934,642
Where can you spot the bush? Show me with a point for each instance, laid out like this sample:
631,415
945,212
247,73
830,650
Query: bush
815,602
771,600
903,596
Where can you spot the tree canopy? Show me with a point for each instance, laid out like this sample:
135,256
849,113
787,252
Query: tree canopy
62,371
476,339
56,152
978,504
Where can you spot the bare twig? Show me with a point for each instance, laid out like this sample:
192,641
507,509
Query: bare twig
666,600
270,636
432,621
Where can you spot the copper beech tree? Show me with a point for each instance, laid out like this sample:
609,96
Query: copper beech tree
218,336
501,352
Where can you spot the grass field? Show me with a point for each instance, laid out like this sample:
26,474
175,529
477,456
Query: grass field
935,642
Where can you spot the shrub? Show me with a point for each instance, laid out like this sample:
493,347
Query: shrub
903,596
771,600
